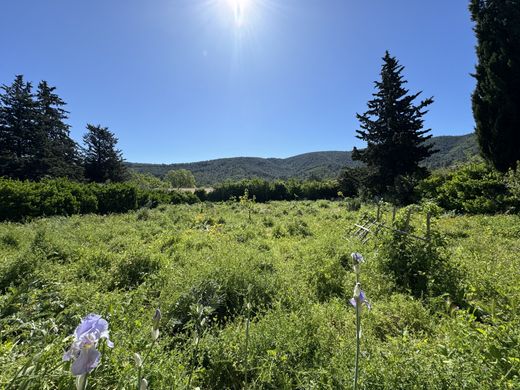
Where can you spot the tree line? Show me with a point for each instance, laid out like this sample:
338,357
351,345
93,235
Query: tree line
35,140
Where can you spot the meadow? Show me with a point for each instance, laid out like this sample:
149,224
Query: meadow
257,296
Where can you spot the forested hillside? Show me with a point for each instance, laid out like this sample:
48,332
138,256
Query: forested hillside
452,150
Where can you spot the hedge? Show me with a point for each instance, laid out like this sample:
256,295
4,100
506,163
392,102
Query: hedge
20,200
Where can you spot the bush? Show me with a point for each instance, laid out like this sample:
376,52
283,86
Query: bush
513,185
473,188
418,267
265,191
20,200
116,198
134,269
225,296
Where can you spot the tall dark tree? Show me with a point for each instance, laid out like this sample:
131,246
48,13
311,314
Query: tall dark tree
393,130
103,162
496,100
60,154
20,143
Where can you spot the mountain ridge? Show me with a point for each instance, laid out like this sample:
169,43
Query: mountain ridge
313,165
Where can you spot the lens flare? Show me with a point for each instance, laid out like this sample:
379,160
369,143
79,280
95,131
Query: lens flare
239,9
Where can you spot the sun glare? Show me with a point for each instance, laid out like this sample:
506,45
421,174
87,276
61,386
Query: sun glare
239,9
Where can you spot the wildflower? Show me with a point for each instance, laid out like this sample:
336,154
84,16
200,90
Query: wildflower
155,327
359,296
84,347
143,385
357,259
157,317
138,360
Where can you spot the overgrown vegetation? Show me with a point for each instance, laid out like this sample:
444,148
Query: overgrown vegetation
204,263
20,200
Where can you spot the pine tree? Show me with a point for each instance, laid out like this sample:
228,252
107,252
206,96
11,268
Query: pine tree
102,161
496,100
20,141
393,130
60,154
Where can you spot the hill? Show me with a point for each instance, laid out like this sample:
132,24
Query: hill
452,150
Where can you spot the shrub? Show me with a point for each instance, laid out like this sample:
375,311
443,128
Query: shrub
116,198
513,185
417,267
20,200
264,191
133,269
473,188
224,294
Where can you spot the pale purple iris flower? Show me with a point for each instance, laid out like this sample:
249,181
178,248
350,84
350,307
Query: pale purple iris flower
357,258
359,296
84,347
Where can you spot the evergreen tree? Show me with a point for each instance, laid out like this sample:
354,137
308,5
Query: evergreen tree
496,100
20,143
60,156
393,130
102,161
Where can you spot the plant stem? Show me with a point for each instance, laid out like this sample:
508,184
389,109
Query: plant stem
82,382
139,373
248,321
358,327
194,357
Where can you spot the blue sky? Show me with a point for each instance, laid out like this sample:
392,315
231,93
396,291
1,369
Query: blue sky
190,80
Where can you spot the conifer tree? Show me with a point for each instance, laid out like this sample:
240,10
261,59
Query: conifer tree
393,130
20,142
102,161
496,100
60,154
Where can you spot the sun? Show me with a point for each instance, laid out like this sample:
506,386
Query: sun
239,9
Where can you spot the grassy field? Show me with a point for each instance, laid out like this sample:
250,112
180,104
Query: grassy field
284,268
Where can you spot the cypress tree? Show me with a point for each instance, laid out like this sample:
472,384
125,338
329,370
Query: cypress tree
393,129
103,162
496,100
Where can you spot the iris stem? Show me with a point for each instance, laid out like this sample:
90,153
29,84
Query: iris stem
248,322
194,357
139,373
82,382
358,328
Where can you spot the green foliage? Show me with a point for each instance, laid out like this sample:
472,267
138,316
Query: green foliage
351,180
418,267
116,198
513,183
497,95
34,138
180,178
472,188
146,181
453,150
20,141
60,155
102,161
134,268
264,191
204,262
393,130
